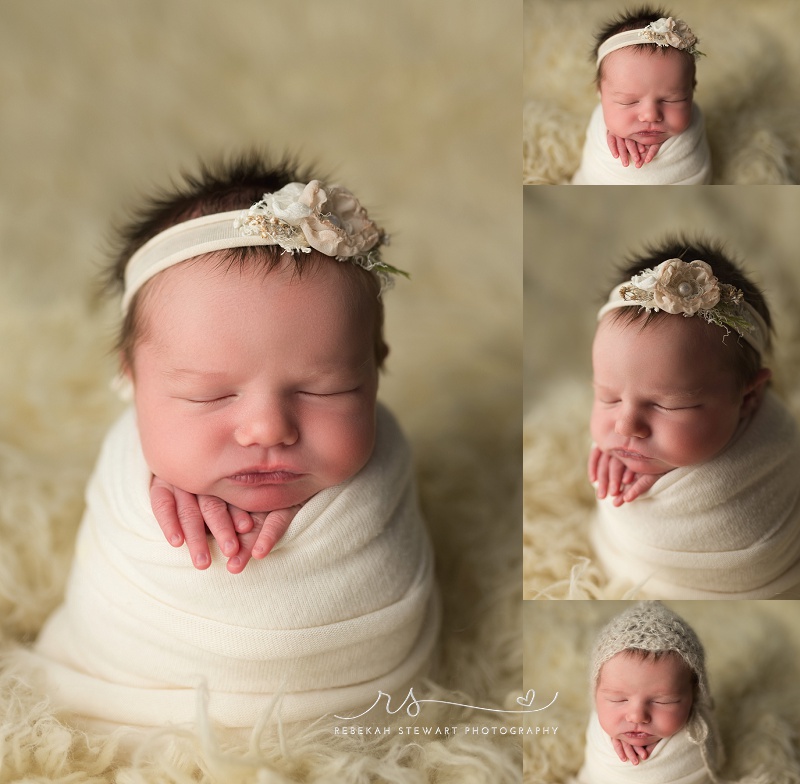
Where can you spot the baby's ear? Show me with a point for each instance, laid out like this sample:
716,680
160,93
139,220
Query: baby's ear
754,392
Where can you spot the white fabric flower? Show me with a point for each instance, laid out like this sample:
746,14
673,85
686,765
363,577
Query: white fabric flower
685,288
287,205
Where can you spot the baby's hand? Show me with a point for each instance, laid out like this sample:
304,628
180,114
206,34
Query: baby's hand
266,533
184,517
614,478
628,149
628,753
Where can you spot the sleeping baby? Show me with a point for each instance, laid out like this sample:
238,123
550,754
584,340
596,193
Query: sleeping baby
653,720
646,116
252,341
695,460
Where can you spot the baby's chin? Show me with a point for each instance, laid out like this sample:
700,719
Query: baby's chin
633,740
267,498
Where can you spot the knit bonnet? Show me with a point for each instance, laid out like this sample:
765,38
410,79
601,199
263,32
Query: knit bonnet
652,627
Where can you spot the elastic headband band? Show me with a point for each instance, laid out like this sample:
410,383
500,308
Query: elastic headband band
663,32
298,217
185,241
691,289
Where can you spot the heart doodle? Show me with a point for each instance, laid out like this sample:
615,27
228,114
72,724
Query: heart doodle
527,700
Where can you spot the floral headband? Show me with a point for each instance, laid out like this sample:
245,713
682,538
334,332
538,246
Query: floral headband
691,288
663,32
298,217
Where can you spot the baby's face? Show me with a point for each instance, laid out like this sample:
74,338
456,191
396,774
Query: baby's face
664,396
646,97
640,701
258,389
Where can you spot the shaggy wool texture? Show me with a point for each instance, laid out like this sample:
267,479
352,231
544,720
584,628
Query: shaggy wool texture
561,304
103,100
748,86
752,654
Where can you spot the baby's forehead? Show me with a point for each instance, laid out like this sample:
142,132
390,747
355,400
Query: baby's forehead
669,663
627,64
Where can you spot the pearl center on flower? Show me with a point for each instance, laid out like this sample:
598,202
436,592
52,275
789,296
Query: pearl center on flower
685,289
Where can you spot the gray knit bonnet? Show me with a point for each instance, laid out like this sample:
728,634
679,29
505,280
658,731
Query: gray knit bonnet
652,627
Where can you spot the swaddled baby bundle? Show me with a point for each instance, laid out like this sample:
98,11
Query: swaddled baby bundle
343,607
725,529
674,760
683,159
694,753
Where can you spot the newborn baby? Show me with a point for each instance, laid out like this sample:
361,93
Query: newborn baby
646,115
653,714
694,459
252,339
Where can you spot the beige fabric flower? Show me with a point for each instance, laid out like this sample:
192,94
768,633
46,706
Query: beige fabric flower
337,224
685,288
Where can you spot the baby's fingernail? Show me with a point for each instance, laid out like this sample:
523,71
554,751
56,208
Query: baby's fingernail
228,547
242,526
235,561
201,560
175,540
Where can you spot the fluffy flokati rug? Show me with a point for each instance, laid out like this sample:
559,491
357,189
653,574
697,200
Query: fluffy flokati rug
104,101
752,654
748,86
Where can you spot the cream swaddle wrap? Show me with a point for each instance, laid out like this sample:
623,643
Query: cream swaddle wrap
674,760
682,160
345,604
725,529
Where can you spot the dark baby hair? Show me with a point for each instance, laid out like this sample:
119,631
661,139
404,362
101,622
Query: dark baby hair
223,186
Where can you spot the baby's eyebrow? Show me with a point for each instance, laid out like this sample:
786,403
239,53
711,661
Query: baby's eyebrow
181,373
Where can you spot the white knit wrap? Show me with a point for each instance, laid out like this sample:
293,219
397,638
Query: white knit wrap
674,760
345,604
725,529
684,159
691,756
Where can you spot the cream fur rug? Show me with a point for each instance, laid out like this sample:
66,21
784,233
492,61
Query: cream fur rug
102,100
752,652
748,86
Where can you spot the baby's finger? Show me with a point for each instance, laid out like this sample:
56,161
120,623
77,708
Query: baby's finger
218,519
611,140
652,150
194,528
602,475
615,470
162,501
594,457
630,752
274,528
633,149
642,484
242,521
618,748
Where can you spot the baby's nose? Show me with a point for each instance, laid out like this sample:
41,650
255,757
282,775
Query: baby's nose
630,425
637,714
267,425
649,111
